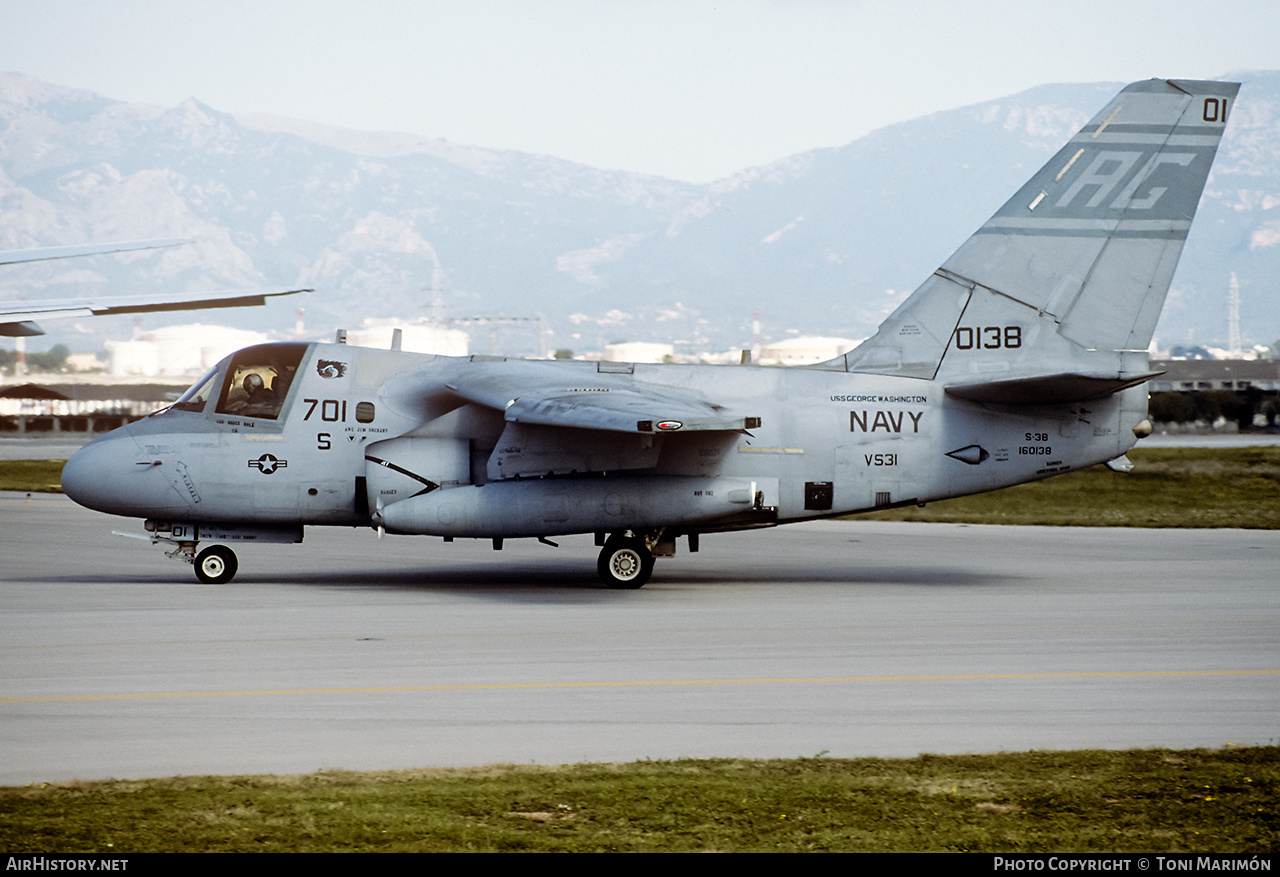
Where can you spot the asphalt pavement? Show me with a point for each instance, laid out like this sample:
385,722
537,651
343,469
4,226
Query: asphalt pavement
839,638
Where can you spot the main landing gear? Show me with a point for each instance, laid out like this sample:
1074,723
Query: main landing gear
625,562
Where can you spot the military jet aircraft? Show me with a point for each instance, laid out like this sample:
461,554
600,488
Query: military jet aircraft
1021,357
17,318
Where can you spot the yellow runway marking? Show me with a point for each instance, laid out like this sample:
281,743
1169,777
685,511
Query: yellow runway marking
641,683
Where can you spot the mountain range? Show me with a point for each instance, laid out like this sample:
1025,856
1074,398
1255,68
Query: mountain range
533,253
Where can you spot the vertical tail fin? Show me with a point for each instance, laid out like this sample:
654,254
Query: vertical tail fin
1072,272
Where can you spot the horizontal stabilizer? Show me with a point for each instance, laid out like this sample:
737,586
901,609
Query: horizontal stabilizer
1047,389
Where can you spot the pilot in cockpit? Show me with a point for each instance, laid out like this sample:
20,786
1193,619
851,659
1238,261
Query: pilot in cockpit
258,380
252,397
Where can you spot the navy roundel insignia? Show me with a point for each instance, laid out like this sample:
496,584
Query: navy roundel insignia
267,464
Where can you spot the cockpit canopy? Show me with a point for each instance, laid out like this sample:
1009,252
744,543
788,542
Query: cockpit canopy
253,382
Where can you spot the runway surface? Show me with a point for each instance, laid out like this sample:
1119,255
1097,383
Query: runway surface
849,639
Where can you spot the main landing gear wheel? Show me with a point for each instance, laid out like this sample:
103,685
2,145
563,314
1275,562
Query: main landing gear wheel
625,563
216,565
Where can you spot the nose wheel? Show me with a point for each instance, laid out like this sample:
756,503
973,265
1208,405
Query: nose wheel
216,565
625,562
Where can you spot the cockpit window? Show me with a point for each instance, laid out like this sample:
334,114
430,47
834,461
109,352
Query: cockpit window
199,393
258,380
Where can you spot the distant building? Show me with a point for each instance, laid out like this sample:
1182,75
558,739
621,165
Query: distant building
191,349
804,350
82,403
85,362
639,351
417,336
1188,375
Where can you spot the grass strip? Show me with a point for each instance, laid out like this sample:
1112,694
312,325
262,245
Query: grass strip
32,476
1168,487
1150,800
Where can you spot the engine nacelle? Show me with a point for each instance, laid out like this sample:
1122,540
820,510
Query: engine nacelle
556,506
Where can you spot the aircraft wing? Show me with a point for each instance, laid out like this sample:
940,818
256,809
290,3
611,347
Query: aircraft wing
533,394
17,317
41,254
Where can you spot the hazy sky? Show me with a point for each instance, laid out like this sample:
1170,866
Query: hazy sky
692,90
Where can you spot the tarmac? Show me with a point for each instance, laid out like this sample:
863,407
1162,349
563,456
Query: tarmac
819,639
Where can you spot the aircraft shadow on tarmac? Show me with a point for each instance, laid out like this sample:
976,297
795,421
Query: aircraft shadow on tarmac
540,579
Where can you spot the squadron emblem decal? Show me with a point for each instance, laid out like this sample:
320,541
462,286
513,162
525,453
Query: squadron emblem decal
267,464
328,368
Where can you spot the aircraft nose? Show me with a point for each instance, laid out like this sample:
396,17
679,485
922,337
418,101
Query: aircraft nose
112,475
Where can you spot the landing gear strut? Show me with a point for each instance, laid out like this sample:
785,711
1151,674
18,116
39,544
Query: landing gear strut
625,562
216,564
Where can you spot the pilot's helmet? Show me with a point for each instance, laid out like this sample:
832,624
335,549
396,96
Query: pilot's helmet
253,383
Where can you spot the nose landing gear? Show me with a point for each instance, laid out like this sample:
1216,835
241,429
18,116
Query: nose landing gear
216,565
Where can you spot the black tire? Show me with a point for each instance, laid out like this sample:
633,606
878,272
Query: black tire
216,565
625,563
